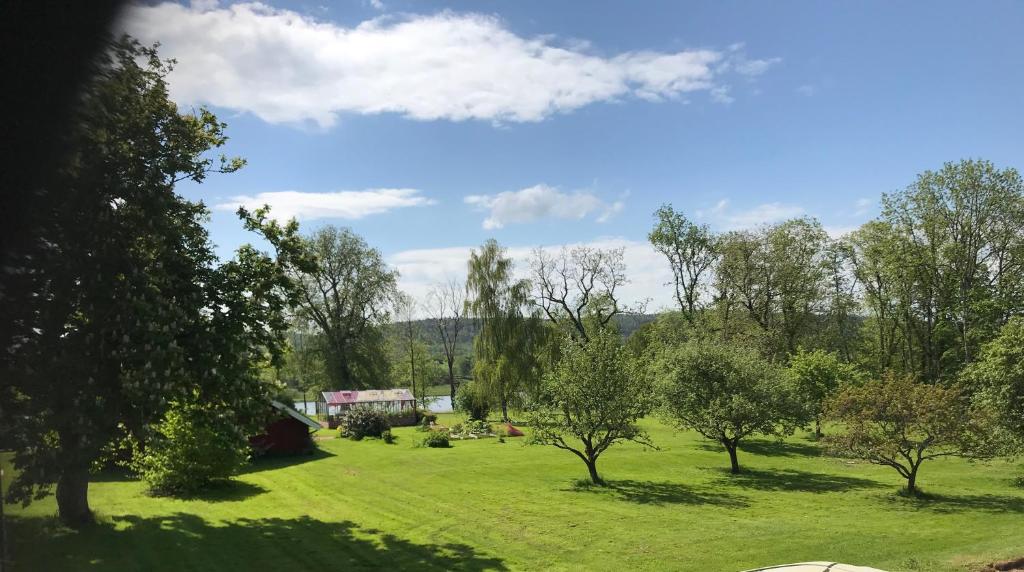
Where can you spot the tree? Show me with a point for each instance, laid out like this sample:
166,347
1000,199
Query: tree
899,423
119,307
691,252
411,349
505,363
347,297
594,395
726,392
817,375
997,380
447,306
577,289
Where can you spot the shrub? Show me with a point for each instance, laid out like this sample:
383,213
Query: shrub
387,436
472,402
436,439
192,448
360,422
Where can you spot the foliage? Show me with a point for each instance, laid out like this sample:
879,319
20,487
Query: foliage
594,395
346,297
192,448
436,440
118,305
359,422
505,365
387,436
817,375
900,423
997,380
726,393
691,251
472,401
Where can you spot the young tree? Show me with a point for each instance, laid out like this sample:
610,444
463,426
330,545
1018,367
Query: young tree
900,423
447,306
817,375
411,349
347,296
594,396
120,306
727,392
505,363
691,252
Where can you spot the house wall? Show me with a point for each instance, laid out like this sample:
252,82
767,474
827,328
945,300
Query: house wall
285,436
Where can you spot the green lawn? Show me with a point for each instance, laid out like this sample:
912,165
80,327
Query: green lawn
490,505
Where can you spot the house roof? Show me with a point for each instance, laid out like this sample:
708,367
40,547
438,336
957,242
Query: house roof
293,413
367,396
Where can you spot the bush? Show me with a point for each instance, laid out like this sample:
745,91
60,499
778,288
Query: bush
192,448
436,439
470,401
387,436
360,422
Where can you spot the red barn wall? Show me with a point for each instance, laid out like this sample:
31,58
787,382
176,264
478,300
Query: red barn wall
284,436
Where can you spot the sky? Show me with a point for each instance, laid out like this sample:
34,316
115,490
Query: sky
429,127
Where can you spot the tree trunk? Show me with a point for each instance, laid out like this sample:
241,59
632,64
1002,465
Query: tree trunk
817,427
731,447
912,482
504,411
592,468
451,380
73,497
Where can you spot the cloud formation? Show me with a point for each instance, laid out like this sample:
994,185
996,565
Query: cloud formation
541,201
349,205
286,67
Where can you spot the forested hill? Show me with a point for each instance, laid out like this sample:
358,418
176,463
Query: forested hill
626,323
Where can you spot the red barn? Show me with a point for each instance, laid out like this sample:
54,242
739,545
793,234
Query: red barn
288,433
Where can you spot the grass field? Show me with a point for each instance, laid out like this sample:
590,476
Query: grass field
504,506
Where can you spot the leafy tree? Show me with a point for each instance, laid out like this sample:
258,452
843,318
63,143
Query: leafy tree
505,362
997,380
472,401
817,375
447,306
900,423
727,392
193,447
120,308
691,251
347,298
593,399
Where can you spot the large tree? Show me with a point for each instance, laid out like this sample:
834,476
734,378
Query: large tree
691,252
726,393
505,361
592,399
996,380
347,297
818,375
118,306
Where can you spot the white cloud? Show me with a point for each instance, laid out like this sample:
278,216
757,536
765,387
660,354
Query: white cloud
286,67
541,201
648,272
342,204
722,217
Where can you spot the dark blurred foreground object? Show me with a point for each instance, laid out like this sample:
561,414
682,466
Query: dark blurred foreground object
45,47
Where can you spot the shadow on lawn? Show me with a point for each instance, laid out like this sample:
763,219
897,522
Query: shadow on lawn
188,542
769,448
281,461
956,503
791,480
649,492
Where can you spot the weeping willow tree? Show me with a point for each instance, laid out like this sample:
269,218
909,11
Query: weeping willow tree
505,363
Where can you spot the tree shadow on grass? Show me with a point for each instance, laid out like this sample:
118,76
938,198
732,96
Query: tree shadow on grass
273,462
770,448
792,480
188,542
941,503
650,492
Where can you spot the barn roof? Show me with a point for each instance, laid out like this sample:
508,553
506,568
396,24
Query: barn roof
367,396
293,413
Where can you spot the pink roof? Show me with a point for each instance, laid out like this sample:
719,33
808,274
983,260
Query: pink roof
367,396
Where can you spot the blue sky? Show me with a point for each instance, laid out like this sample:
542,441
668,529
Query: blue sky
429,127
